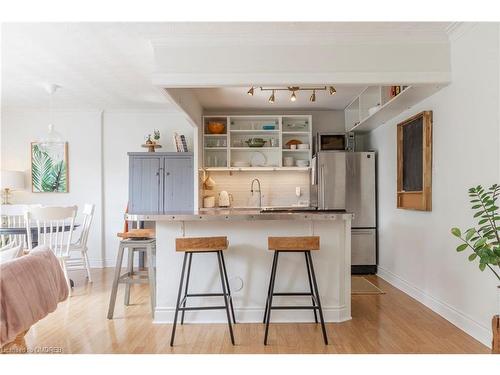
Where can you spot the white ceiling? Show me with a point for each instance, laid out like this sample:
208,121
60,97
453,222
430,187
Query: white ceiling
236,98
110,65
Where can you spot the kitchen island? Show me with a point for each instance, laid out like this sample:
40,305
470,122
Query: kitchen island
249,262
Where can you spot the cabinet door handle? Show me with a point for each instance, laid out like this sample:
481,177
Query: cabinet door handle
168,173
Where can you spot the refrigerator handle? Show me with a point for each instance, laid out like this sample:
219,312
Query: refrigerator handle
322,186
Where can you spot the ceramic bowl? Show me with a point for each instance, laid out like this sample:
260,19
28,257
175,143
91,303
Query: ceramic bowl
216,127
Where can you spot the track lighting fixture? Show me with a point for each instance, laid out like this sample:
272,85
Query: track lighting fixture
294,90
313,96
271,98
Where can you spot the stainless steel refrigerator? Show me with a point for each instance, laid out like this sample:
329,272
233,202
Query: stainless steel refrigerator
347,181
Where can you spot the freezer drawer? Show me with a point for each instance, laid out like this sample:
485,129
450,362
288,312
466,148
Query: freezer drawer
363,247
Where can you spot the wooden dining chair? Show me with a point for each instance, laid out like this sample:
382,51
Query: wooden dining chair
55,227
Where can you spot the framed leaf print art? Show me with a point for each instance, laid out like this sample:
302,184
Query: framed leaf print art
49,167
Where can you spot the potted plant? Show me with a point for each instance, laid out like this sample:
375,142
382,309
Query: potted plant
484,239
156,136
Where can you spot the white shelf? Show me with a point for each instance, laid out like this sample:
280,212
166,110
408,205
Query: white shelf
244,169
240,128
255,131
393,107
255,148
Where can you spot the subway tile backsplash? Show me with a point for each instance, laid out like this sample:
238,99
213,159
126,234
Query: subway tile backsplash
278,188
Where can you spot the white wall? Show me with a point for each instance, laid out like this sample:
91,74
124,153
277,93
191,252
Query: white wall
96,175
82,130
124,132
416,250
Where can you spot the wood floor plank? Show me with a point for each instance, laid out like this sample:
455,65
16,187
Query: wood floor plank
388,323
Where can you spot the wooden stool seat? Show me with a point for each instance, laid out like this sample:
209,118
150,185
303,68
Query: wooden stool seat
137,233
293,243
201,244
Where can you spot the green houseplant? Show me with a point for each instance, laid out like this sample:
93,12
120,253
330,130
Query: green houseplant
484,239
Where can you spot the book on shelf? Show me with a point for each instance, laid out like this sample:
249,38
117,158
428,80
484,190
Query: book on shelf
180,143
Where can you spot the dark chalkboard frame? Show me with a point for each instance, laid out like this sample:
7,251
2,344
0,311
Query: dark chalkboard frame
415,198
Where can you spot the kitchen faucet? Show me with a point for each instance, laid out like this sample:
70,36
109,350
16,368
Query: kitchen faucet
257,191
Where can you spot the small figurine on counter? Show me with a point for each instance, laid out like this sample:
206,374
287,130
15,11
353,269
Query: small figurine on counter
149,140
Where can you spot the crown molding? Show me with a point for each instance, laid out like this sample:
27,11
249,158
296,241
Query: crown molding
458,29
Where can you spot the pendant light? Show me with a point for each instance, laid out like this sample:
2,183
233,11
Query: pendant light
332,90
52,136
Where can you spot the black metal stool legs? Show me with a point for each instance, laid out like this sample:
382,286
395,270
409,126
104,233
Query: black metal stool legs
227,284
187,285
226,297
182,297
311,287
268,291
270,295
316,291
314,294
177,305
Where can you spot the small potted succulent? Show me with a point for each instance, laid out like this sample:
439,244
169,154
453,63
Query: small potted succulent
156,136
484,239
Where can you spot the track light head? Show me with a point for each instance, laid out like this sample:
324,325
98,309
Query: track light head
313,96
332,90
250,92
293,97
271,98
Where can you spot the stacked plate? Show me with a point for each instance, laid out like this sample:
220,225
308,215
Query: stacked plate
302,163
241,164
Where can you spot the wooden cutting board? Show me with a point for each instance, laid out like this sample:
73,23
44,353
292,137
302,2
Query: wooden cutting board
138,233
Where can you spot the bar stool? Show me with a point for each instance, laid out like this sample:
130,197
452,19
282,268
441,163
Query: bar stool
191,246
295,245
134,244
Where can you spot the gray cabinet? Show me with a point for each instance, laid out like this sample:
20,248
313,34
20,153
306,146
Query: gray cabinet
160,182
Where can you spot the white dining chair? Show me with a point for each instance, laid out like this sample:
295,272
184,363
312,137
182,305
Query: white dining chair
12,216
55,227
78,250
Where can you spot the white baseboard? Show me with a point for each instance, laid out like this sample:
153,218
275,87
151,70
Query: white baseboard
463,321
99,263
251,315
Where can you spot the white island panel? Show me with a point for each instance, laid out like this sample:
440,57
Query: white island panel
249,263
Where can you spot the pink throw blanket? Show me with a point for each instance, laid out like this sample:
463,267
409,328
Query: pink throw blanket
30,288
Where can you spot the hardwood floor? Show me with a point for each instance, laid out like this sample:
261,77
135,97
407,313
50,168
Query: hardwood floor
388,323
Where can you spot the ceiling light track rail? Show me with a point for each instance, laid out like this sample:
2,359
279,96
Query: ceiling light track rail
293,89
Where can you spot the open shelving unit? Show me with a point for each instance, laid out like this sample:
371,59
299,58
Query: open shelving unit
229,150
359,118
